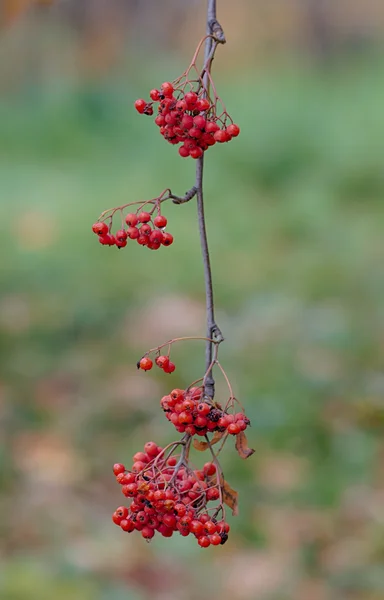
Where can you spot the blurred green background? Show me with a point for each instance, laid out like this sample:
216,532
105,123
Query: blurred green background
295,220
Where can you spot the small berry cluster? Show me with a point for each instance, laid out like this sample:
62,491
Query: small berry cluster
188,118
168,496
162,362
138,229
190,413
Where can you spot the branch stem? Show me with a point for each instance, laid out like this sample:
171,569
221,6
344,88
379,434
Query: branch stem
212,330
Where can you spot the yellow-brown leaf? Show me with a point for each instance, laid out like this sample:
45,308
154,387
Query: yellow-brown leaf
242,445
230,497
201,445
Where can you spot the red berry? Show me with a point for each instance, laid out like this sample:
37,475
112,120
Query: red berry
180,509
167,239
118,468
140,105
169,520
202,104
133,233
142,240
127,525
100,228
167,89
145,229
151,448
160,221
221,136
233,130
162,361
199,122
131,219
213,494
204,541
211,127
183,151
203,409
121,244
215,539
160,121
121,235
148,533
196,152
106,239
209,468
165,531
170,367
233,429
156,237
145,363
210,527
144,217
154,95
191,99
197,528
186,122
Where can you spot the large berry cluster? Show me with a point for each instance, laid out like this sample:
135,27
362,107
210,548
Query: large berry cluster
188,118
168,496
192,414
147,231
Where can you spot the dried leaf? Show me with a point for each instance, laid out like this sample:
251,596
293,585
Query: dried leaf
230,497
242,445
201,446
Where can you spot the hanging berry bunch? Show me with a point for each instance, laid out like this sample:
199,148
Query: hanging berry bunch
189,110
147,226
168,493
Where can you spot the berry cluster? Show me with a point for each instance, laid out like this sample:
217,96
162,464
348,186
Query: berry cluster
190,413
162,362
188,118
141,227
168,496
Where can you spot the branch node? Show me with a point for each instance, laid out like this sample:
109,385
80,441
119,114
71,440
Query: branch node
216,334
186,198
217,31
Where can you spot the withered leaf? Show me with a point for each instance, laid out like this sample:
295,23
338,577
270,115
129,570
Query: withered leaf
242,445
201,445
230,497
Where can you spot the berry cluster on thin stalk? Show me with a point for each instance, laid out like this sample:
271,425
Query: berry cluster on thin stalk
166,492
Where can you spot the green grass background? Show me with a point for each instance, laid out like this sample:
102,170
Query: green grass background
295,219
